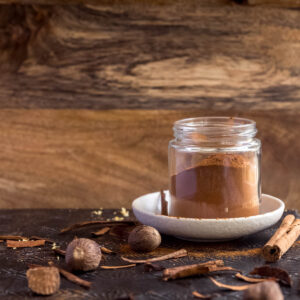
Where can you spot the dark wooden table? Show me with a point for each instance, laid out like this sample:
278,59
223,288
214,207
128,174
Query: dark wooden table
123,283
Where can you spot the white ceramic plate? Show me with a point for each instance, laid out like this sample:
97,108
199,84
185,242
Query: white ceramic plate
147,210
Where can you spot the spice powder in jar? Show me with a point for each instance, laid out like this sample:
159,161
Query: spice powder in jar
214,166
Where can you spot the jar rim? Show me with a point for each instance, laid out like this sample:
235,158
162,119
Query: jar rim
216,125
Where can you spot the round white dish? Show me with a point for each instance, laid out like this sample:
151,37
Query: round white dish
147,210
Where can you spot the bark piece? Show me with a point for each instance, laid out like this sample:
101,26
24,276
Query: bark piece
24,244
101,231
117,267
283,239
253,280
230,287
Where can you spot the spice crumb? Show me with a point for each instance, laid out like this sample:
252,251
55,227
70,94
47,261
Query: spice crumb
124,212
14,248
97,212
54,246
57,257
116,218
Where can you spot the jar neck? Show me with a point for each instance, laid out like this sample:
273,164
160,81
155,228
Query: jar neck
208,131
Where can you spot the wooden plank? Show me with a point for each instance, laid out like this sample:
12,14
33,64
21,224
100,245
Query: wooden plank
242,254
180,55
90,159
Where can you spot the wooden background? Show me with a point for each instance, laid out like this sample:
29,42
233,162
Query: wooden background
89,92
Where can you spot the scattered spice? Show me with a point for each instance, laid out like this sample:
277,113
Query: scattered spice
230,287
268,290
59,251
144,238
23,244
83,254
164,203
253,280
149,267
201,296
97,212
90,223
106,250
117,267
116,218
176,254
280,274
101,231
196,269
43,280
283,239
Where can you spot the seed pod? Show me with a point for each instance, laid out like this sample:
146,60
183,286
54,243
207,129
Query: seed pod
144,238
43,280
83,255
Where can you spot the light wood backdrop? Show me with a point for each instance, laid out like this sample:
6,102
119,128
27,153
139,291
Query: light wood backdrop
89,93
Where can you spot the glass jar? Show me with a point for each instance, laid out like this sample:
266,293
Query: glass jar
214,168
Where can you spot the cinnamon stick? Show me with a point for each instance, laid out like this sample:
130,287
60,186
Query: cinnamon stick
90,223
101,231
106,250
231,287
191,270
164,203
23,244
252,279
282,240
60,251
74,278
176,254
117,267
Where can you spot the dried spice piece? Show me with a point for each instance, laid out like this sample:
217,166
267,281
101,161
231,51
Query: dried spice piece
34,237
83,254
117,267
231,287
23,244
90,223
283,239
280,274
201,296
106,250
268,290
73,278
176,254
101,231
164,203
13,237
149,267
59,251
253,280
144,238
43,280
192,270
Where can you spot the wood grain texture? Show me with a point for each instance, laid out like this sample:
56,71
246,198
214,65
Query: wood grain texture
90,159
150,55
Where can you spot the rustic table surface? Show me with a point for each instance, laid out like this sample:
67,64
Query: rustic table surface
131,283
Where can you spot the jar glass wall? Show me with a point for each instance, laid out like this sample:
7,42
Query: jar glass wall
214,168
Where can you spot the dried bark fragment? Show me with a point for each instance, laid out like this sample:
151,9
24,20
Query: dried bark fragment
149,267
106,250
195,269
201,296
101,231
43,280
164,203
59,251
280,274
268,290
117,267
176,254
24,244
73,278
230,287
253,280
90,223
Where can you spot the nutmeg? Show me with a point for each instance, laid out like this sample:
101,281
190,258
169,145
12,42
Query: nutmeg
83,255
267,290
144,238
43,280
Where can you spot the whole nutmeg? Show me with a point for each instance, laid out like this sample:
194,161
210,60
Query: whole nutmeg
83,255
267,290
43,280
144,238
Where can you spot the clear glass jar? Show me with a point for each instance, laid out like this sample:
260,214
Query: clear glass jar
214,168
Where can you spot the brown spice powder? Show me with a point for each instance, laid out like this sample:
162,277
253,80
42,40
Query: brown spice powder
220,186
